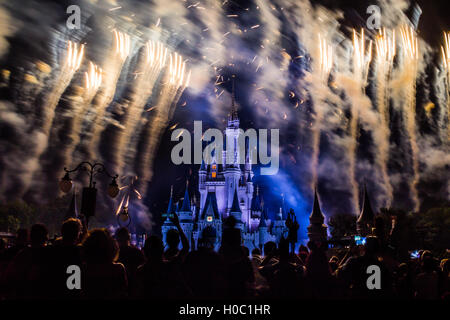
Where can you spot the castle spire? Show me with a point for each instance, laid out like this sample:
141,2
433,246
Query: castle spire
170,207
317,230
262,221
186,206
233,114
235,206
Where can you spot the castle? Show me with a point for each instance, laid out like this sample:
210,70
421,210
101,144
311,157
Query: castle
227,190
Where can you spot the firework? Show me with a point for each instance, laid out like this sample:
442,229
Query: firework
71,64
326,58
324,66
409,66
445,49
150,67
93,80
111,72
361,57
177,81
122,41
385,53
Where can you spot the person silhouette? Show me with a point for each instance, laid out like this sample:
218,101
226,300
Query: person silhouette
293,226
103,277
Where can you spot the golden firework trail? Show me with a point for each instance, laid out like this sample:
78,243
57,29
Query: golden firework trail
446,52
93,80
325,64
326,58
361,57
177,81
445,49
111,73
410,61
385,54
122,41
72,63
151,66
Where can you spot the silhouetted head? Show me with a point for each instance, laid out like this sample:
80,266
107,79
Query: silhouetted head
270,248
153,248
256,252
70,230
100,247
333,265
123,236
173,238
38,235
22,237
425,254
208,239
246,251
229,222
402,269
372,245
302,248
283,248
428,264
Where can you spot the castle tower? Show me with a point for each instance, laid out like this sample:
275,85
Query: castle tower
167,225
365,221
317,230
232,170
279,225
262,230
236,212
185,214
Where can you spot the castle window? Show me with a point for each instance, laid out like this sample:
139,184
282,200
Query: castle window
209,219
213,174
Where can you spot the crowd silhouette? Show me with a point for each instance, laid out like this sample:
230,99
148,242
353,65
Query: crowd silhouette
111,268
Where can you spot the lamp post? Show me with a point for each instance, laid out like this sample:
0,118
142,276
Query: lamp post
89,195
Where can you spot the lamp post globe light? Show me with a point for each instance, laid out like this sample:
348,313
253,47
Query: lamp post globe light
123,218
89,195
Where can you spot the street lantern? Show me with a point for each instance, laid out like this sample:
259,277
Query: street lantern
124,217
113,188
66,183
89,194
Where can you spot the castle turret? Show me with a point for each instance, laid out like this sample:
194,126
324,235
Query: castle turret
262,229
236,212
168,224
317,230
185,214
366,219
279,226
